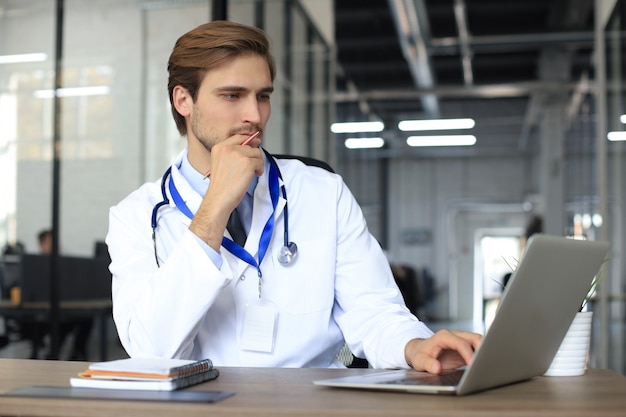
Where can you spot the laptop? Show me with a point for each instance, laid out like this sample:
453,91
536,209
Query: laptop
535,311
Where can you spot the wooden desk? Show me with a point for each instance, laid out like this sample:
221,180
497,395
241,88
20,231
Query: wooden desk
39,310
263,392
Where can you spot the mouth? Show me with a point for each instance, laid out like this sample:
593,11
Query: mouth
249,130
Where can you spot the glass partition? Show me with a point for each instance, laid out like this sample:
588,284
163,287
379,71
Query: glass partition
615,288
116,128
26,119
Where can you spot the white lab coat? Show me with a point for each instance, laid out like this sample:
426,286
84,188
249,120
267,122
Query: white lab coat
339,288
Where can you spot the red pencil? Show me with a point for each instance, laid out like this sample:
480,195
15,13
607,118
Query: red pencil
245,142
252,136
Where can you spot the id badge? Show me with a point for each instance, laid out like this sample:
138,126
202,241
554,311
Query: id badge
259,327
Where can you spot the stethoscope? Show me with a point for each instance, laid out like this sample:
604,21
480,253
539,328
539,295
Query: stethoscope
288,252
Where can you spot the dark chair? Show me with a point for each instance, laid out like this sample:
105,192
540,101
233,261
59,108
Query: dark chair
307,160
101,250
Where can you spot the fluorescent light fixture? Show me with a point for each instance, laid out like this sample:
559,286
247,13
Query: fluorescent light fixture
16,59
622,118
436,124
596,219
364,143
357,127
441,140
616,136
74,92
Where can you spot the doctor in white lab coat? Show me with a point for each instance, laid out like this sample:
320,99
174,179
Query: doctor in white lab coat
183,294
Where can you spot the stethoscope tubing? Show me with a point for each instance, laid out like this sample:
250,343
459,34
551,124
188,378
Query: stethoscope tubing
289,250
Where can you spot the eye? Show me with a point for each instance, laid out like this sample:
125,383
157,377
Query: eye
231,96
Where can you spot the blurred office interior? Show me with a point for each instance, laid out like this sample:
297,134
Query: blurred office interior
539,83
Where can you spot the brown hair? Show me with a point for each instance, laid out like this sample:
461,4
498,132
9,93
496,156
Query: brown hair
206,47
43,235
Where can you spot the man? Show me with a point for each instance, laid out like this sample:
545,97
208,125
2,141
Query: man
44,238
190,292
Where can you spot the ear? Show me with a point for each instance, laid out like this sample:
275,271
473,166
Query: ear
182,101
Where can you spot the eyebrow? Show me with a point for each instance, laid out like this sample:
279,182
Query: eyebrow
241,89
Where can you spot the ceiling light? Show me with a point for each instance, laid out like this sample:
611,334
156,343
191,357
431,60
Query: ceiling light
74,92
357,127
364,143
16,59
442,140
622,118
596,219
436,124
616,136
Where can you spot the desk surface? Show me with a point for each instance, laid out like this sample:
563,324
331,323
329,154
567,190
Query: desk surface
263,392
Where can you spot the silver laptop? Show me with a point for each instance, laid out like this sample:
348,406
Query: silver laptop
535,311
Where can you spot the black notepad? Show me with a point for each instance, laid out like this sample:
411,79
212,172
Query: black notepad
121,395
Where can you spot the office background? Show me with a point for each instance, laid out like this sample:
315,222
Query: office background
452,215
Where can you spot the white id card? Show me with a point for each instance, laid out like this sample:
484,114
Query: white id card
259,327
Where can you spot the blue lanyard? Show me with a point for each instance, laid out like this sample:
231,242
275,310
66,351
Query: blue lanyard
228,244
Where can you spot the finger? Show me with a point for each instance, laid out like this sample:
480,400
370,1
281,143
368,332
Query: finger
473,340
236,159
250,138
422,355
255,157
424,362
450,348
463,343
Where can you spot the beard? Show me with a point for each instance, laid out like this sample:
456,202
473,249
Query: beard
209,137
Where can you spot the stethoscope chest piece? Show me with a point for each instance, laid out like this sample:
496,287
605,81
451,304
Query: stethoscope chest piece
288,253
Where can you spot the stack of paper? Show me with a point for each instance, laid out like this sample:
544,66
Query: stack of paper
146,374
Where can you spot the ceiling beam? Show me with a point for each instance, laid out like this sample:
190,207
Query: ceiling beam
518,89
413,32
512,43
564,14
485,43
460,16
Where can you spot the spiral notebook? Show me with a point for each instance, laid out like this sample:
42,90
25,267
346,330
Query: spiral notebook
534,314
146,374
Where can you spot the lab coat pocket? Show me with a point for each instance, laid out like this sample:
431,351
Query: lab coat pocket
306,285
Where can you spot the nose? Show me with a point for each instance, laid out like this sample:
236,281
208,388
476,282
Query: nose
251,111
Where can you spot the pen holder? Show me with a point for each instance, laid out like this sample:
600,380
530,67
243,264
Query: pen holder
571,358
